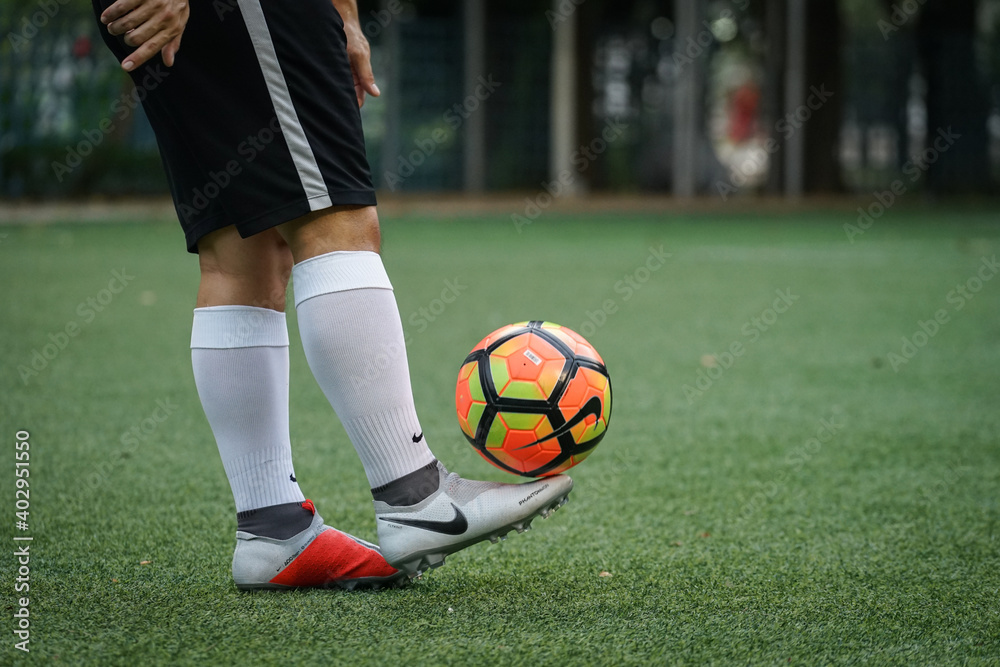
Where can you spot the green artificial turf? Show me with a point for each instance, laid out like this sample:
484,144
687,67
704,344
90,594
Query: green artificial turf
813,500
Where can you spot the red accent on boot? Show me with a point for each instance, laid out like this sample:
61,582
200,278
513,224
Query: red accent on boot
308,505
333,556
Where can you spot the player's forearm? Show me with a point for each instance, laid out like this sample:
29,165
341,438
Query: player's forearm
348,10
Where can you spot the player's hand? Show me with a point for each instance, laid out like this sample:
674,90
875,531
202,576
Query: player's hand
360,56
152,26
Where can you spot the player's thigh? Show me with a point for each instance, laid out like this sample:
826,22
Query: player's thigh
333,229
249,271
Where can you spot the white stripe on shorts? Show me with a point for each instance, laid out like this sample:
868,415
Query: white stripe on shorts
302,153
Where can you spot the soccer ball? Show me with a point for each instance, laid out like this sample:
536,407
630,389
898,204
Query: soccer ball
533,398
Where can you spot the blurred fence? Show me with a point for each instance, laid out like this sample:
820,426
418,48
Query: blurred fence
69,125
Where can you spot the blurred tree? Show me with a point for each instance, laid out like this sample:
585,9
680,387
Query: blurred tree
956,96
823,68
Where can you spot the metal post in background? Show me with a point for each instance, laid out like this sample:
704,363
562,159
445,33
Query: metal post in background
689,100
795,96
563,98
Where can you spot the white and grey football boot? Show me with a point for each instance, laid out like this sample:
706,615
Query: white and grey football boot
461,513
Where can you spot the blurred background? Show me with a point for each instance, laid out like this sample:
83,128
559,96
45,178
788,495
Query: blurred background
717,98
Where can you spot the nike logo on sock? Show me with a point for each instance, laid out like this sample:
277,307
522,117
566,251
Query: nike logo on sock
291,478
418,436
455,526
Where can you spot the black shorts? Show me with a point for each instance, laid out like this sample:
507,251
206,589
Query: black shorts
257,121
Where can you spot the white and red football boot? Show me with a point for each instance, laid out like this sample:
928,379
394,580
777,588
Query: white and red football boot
318,557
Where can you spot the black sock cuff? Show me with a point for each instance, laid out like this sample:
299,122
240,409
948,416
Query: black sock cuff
278,522
410,489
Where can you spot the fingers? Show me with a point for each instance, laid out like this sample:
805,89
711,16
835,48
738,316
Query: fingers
359,55
118,10
151,26
170,51
370,87
165,22
147,50
362,87
140,14
364,78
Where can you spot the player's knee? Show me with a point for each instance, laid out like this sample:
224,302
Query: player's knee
362,230
334,229
253,272
373,235
283,265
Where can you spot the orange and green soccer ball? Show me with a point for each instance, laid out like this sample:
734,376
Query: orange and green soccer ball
533,398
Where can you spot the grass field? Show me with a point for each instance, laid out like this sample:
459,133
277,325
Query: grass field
827,496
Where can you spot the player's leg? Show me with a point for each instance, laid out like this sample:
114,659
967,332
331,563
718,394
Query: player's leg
239,353
352,338
243,271
354,343
285,141
252,157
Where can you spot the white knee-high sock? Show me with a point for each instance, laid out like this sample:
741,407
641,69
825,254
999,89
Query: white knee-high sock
240,360
353,340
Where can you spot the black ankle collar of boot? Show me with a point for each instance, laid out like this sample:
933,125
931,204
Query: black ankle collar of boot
278,522
410,489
